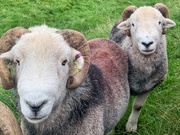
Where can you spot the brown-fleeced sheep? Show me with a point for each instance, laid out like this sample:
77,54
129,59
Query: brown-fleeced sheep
61,86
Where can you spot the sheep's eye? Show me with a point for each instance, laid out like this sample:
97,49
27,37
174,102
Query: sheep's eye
159,22
18,62
133,24
64,62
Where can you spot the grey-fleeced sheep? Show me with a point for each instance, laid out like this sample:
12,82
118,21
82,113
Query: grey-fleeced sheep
141,33
61,86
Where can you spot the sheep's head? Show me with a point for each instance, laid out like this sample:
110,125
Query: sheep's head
46,62
146,25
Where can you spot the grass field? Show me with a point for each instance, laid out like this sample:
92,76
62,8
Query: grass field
95,18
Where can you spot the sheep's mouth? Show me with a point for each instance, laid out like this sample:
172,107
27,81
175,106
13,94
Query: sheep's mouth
36,120
146,52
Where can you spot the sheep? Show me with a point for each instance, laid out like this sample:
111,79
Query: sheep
141,34
63,84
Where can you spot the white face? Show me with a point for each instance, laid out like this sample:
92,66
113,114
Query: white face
146,25
41,79
147,31
42,70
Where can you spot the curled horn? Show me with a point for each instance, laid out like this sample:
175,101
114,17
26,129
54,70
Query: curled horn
7,41
6,80
8,122
78,41
164,11
126,14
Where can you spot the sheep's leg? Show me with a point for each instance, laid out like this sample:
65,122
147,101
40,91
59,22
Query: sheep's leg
131,125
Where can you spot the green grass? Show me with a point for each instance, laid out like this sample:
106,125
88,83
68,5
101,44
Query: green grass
95,18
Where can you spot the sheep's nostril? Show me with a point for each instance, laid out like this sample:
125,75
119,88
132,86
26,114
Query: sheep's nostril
147,44
36,107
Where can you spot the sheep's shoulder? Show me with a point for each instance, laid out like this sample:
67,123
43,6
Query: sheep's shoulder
109,57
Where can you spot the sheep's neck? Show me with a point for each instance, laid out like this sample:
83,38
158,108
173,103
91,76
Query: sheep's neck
145,63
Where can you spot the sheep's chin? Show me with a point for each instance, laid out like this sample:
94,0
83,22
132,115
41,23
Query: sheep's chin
36,120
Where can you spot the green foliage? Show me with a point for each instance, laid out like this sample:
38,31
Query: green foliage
95,18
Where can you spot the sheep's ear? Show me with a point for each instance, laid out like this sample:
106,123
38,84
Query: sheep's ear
125,27
78,61
168,23
77,40
7,56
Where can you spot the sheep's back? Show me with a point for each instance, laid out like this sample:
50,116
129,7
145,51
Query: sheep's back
113,63
117,35
110,58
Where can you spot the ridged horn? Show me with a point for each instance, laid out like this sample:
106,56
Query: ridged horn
7,41
127,12
163,9
6,80
8,122
76,40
